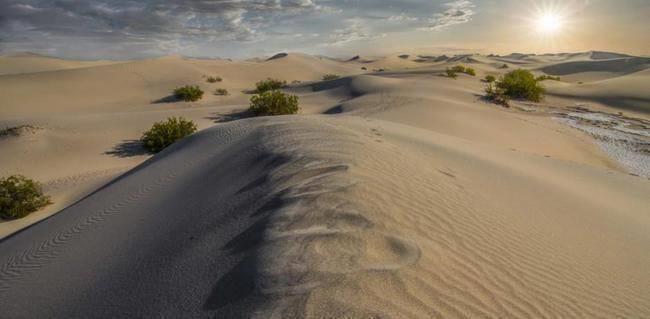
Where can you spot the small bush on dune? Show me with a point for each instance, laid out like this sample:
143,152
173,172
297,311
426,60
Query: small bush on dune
20,196
188,93
521,84
274,103
496,95
221,92
330,77
214,79
17,130
163,134
269,85
489,78
458,69
547,77
451,73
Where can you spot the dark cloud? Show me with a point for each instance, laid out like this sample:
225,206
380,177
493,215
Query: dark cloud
130,28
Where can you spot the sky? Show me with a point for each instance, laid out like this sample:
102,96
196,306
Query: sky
127,29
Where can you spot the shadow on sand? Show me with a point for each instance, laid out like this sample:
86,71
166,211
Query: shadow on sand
167,99
128,148
229,117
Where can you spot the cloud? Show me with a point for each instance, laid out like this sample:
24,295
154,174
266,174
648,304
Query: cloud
355,31
458,12
135,28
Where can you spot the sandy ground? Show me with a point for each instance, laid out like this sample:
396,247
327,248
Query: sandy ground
397,194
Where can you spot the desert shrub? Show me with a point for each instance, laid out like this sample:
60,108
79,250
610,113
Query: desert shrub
163,134
521,84
188,93
504,66
451,73
458,69
489,78
221,92
269,85
20,196
214,79
17,130
496,95
330,77
274,103
547,77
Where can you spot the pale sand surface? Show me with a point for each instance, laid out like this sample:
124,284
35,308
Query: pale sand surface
397,194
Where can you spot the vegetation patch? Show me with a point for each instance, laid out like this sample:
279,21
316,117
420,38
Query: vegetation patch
547,77
269,85
188,93
496,95
489,78
214,79
517,84
453,72
223,92
20,196
165,133
521,84
330,77
18,130
274,103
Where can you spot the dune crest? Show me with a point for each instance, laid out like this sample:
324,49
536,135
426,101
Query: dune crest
316,216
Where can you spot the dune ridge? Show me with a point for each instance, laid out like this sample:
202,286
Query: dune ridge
340,227
395,194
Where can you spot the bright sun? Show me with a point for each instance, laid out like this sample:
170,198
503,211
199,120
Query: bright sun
549,23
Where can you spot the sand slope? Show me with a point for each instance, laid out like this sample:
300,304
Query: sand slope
338,216
397,194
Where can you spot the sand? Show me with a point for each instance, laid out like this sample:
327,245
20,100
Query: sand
395,194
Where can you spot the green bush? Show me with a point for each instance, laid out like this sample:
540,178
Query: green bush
521,84
458,69
269,85
214,79
496,95
547,77
451,73
330,77
163,134
188,93
221,92
274,103
489,78
20,196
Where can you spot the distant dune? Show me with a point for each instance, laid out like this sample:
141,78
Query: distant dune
396,193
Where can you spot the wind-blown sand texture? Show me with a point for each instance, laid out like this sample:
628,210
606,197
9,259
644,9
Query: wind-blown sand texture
397,194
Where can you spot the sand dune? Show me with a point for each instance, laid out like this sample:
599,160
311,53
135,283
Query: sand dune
31,63
617,66
626,92
317,216
396,194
